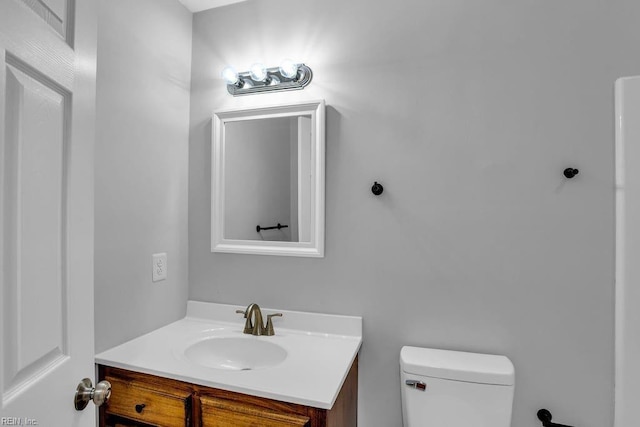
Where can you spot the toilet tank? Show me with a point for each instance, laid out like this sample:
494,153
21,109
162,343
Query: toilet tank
442,388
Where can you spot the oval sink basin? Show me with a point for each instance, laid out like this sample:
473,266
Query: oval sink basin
237,354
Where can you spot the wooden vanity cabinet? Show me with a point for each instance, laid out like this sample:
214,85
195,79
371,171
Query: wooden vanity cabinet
142,400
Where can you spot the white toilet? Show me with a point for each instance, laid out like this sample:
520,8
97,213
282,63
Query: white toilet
443,388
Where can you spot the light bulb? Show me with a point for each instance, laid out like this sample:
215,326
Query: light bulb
258,72
288,68
230,75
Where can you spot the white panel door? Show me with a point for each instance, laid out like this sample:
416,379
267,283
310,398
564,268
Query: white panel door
47,108
627,378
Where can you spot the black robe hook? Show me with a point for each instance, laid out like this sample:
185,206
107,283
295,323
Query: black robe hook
571,172
377,189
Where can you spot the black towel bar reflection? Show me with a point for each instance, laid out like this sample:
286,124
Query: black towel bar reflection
275,227
545,416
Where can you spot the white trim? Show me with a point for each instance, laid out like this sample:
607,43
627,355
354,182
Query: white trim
196,6
627,275
313,248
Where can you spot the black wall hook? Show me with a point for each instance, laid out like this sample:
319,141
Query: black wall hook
570,172
377,189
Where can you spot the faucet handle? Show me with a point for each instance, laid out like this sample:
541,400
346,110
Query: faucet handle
248,325
269,328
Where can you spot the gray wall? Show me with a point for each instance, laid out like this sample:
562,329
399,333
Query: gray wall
144,66
467,112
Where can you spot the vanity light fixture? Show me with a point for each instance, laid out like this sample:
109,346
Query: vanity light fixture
288,68
258,73
230,76
288,76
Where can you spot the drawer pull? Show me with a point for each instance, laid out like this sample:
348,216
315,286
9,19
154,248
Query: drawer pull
140,407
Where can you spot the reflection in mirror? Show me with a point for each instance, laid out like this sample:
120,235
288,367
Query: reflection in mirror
268,180
267,166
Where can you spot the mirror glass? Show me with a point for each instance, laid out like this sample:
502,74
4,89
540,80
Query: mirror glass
268,180
261,179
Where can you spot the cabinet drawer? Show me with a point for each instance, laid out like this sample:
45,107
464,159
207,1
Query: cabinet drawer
155,407
224,413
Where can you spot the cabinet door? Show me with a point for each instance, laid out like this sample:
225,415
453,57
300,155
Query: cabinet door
223,413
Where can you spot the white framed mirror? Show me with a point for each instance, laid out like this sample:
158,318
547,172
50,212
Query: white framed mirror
267,180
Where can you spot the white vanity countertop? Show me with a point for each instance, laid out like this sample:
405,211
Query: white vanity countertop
320,350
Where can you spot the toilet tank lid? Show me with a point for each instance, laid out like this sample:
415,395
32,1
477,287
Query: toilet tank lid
457,365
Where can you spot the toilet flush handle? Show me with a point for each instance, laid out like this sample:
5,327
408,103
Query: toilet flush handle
419,385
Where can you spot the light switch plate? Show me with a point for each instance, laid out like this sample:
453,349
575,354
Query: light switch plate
159,268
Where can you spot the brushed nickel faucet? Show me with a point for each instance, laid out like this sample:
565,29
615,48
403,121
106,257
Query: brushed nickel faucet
254,324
